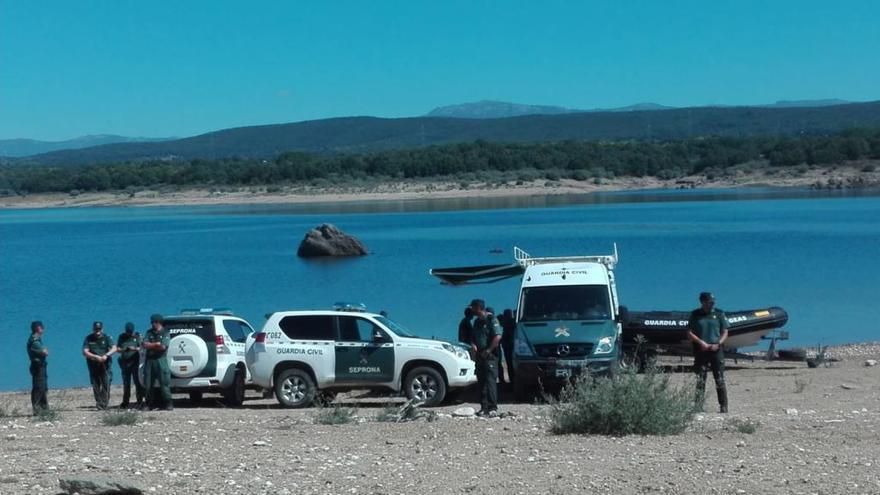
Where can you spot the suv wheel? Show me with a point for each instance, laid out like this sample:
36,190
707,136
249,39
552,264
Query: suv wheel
426,385
234,395
295,388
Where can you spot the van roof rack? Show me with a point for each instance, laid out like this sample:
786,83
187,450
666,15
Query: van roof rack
206,311
524,259
344,306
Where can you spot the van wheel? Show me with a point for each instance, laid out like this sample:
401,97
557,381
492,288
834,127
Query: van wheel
425,385
234,395
295,388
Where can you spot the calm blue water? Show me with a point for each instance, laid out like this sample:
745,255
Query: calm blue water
815,255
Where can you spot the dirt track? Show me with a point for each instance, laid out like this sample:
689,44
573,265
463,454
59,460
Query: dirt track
829,446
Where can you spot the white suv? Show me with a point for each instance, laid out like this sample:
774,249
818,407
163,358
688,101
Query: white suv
206,354
301,354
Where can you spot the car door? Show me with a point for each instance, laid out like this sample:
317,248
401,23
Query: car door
238,332
364,352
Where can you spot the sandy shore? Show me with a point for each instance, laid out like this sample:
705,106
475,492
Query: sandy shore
817,431
849,176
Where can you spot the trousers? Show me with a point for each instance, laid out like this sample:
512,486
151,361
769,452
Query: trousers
39,387
703,362
487,380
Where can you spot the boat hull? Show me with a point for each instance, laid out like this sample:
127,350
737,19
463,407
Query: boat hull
668,329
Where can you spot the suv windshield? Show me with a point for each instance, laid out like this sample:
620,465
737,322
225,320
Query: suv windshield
565,302
398,329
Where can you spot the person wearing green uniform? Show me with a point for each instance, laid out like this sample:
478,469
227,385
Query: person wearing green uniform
129,344
98,348
484,345
707,329
157,375
37,353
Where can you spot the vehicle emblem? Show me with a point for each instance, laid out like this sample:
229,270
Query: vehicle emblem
563,350
364,358
562,332
182,346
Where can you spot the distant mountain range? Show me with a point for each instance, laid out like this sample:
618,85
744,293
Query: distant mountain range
365,134
489,109
27,147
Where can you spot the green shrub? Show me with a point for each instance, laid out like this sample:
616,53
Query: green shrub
121,418
46,415
7,410
628,404
746,426
388,414
335,415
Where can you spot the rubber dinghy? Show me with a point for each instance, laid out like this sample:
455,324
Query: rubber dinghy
668,329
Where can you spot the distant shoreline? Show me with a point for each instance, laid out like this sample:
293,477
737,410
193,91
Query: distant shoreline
843,177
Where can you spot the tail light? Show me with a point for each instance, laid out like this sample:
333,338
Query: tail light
221,345
260,338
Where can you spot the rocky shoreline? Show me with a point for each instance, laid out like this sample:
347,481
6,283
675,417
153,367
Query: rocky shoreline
791,429
849,177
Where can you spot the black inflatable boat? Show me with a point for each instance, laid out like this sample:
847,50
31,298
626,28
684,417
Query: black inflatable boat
668,329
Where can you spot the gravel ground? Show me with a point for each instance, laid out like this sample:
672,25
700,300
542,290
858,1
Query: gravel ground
817,433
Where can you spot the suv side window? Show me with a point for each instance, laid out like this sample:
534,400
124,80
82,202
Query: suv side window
237,331
352,329
308,327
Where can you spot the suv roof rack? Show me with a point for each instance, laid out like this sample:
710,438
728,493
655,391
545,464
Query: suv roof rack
206,311
524,259
344,306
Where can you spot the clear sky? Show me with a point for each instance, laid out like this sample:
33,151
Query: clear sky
178,68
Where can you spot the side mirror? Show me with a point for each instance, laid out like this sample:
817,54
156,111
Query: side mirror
623,315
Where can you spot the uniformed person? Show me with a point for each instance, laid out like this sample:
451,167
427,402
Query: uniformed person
157,375
466,327
37,353
707,329
484,345
129,345
98,348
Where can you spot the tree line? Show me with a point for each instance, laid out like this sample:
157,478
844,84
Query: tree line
578,159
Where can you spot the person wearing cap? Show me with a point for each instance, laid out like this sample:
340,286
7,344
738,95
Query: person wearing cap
129,344
484,345
707,330
157,375
37,353
98,348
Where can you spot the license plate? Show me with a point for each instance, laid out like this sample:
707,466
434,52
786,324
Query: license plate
563,373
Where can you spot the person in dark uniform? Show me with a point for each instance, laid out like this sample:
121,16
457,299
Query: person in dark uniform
707,329
37,353
484,345
157,375
500,367
98,348
129,345
466,326
508,328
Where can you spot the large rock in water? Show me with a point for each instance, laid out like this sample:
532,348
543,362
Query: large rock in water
89,485
327,240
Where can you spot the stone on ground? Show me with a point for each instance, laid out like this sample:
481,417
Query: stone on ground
89,485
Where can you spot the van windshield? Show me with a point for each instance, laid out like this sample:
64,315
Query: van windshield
397,328
565,302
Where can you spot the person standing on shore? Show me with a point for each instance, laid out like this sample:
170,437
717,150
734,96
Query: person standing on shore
129,344
466,327
157,375
508,328
98,348
37,353
707,329
484,345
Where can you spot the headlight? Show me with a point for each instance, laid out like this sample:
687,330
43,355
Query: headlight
521,348
606,345
458,351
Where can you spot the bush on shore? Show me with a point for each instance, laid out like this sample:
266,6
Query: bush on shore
627,404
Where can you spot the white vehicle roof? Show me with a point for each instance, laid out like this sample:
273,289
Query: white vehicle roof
571,273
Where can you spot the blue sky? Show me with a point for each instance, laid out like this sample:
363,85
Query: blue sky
179,68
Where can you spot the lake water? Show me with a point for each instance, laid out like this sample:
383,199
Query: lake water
815,254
